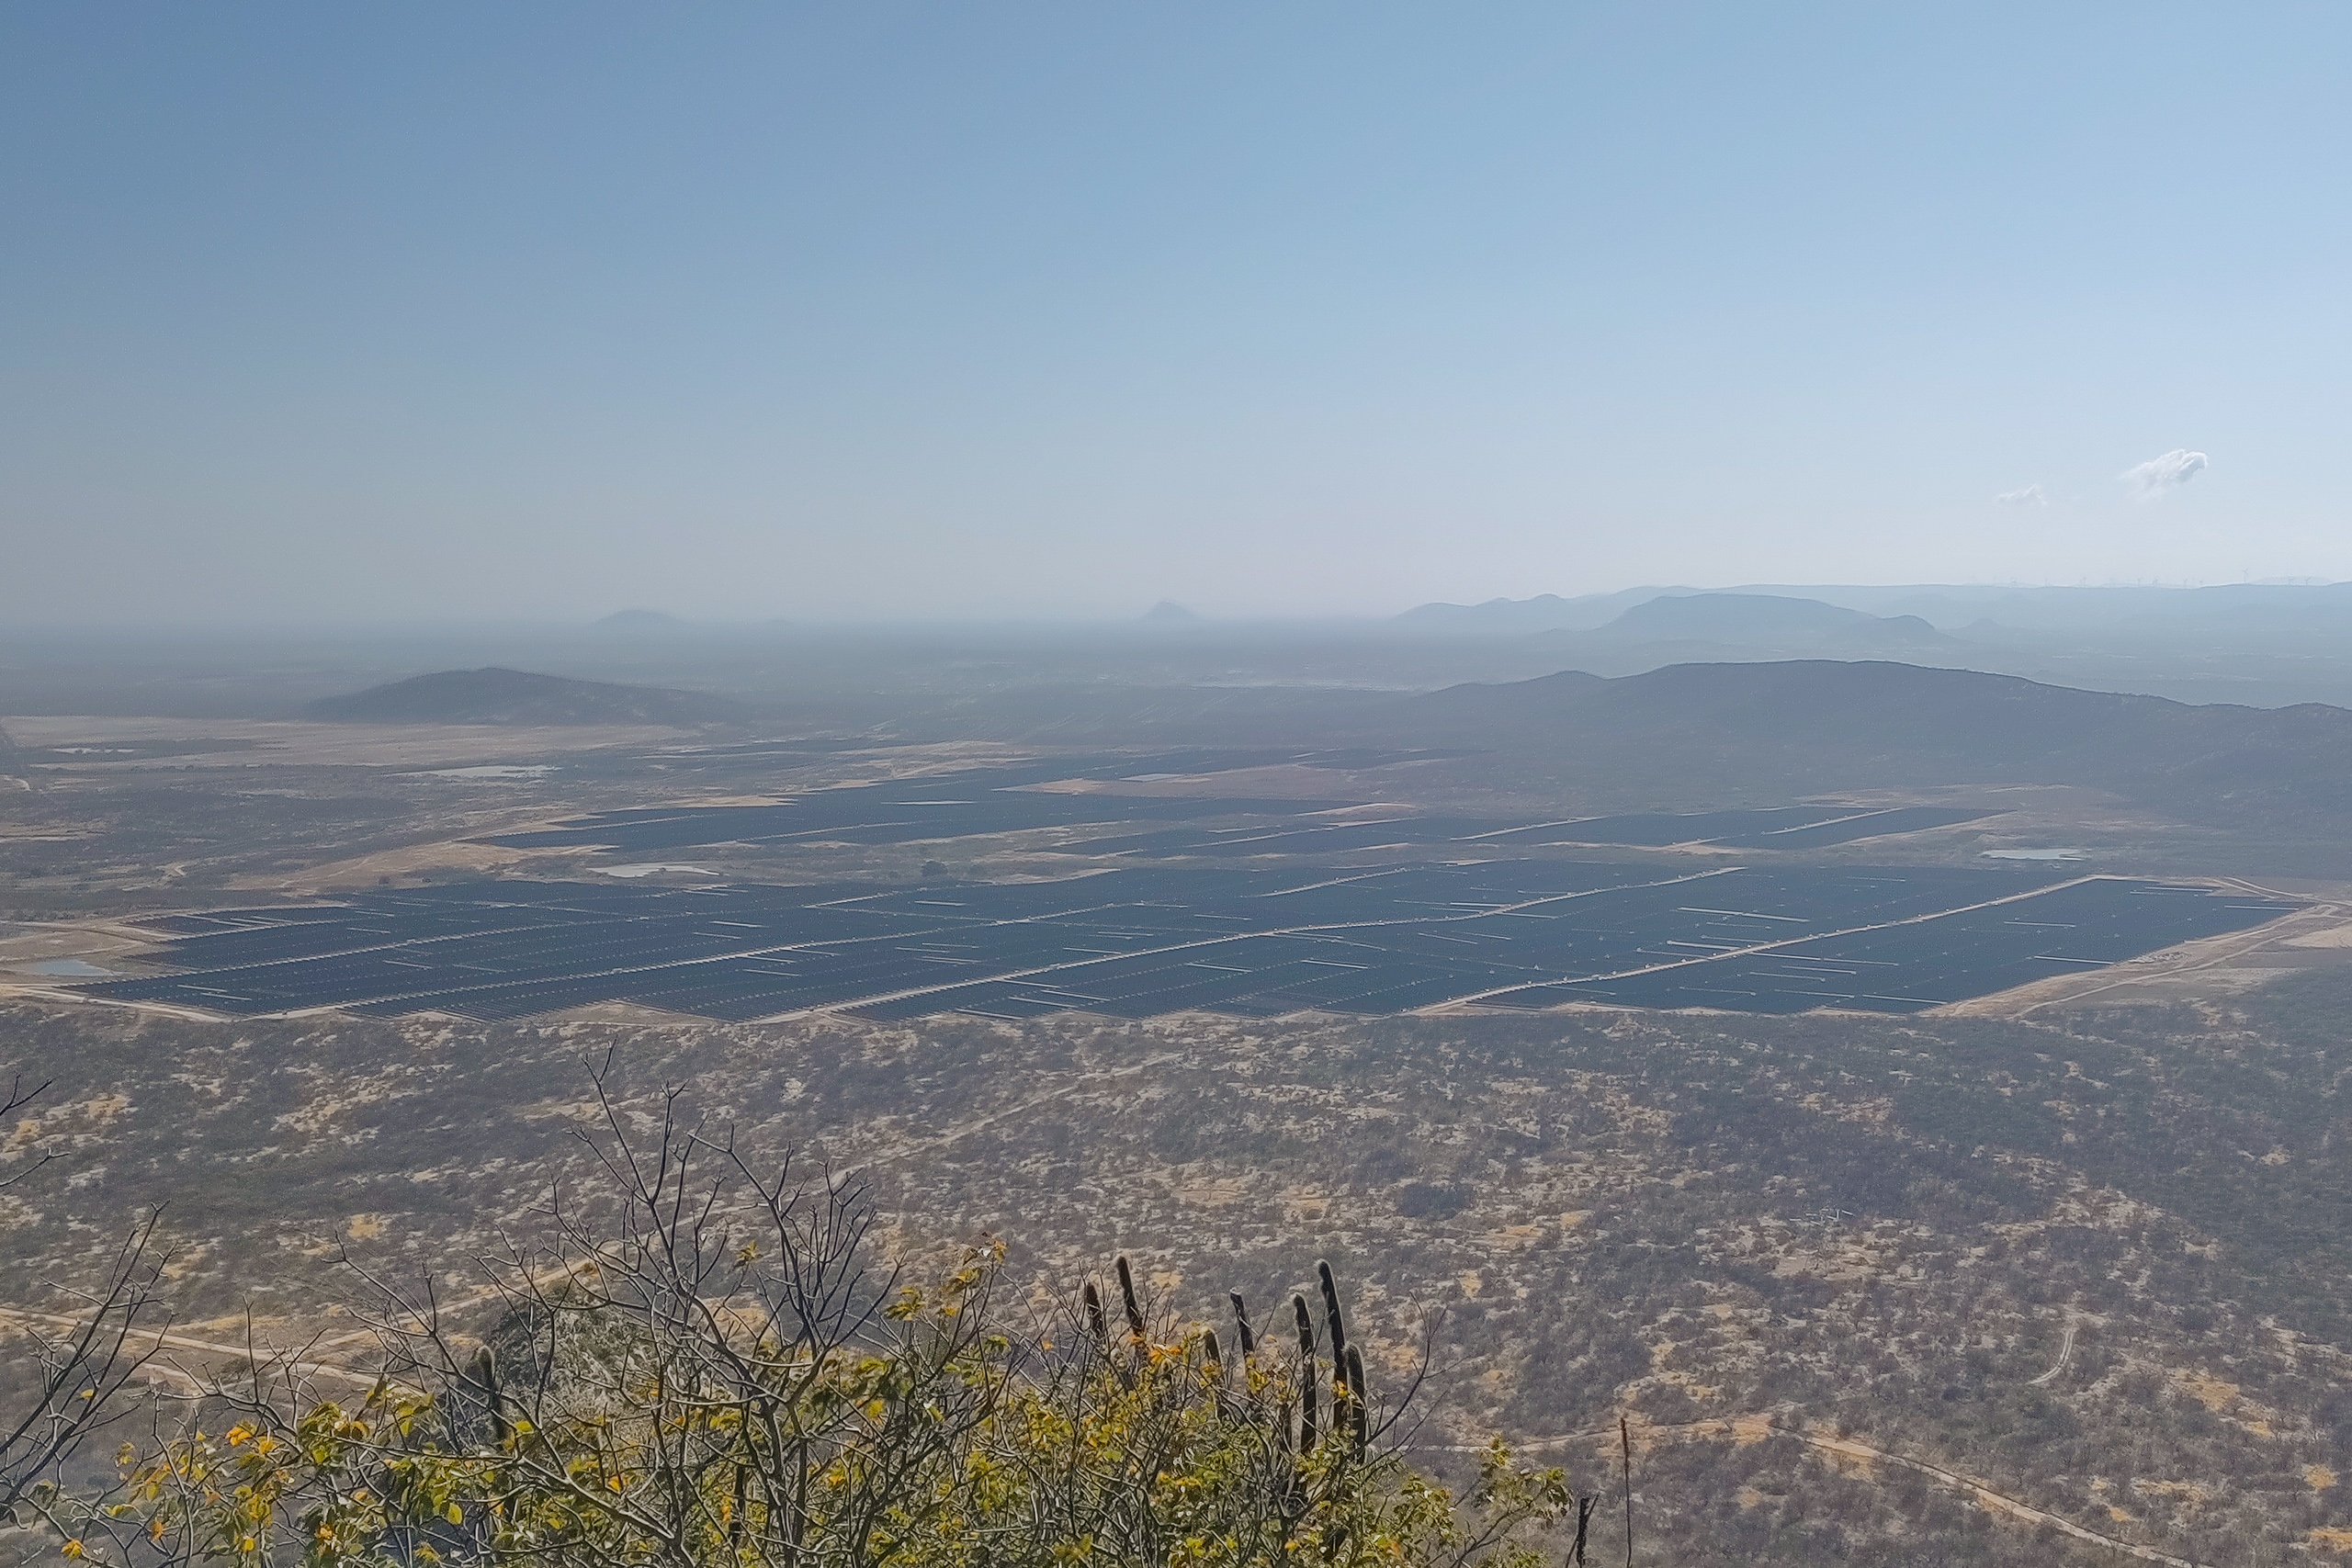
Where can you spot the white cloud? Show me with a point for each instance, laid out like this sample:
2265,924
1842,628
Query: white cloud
2031,495
2153,477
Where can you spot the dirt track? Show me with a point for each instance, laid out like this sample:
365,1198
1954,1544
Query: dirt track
1753,1428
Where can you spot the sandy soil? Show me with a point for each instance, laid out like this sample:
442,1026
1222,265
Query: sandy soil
2216,967
249,743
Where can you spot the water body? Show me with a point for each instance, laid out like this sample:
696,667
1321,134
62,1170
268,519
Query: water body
71,969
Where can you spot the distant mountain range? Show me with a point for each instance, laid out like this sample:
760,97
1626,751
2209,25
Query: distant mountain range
1777,623
1820,724
495,696
1768,618
2266,643
2302,605
1519,617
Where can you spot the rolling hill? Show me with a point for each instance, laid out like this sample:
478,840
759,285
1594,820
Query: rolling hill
1770,619
495,696
1519,617
1822,724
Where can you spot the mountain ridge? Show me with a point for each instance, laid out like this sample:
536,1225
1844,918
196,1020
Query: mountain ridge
1749,619
1829,724
496,695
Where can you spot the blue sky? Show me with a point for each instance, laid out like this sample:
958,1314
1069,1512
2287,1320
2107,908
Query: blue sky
435,310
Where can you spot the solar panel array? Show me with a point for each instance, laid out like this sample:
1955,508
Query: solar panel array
1151,940
976,802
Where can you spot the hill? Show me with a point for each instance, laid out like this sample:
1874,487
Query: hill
1518,617
1769,618
1822,724
493,695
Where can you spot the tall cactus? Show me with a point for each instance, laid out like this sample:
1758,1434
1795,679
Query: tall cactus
1342,1386
1095,1323
1241,1325
1359,1401
1127,1299
486,1372
1331,1313
1333,1398
1307,1375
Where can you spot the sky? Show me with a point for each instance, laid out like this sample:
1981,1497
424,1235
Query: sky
376,313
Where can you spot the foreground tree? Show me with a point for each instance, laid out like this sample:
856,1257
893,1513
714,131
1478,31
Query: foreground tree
707,1369
74,1366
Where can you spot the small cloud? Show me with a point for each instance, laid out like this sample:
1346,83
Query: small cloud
2033,495
2153,477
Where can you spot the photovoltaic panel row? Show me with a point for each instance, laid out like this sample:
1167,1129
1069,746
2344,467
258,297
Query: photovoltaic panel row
1853,829
1656,829
966,802
1928,963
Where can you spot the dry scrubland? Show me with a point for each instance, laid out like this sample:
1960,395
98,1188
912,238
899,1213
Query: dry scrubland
2096,1261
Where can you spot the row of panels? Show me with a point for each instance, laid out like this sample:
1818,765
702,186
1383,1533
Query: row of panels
1144,941
976,802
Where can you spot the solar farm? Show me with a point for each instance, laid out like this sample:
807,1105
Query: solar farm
1144,941
1247,905
1033,796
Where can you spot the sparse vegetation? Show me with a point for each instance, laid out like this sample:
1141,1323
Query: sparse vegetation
68,1371
1878,1227
717,1371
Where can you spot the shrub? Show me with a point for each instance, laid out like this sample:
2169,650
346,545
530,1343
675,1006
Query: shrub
712,1370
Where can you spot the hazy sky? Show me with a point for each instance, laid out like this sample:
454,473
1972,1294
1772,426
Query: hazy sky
393,311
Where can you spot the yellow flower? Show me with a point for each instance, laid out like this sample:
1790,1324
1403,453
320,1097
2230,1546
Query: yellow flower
71,1549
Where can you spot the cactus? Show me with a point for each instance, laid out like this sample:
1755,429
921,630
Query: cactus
1359,1401
1343,1413
1306,1374
1094,1319
1127,1298
486,1373
1331,1315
